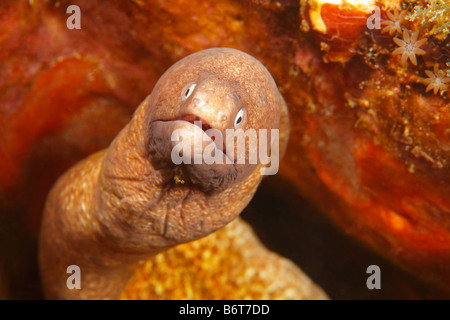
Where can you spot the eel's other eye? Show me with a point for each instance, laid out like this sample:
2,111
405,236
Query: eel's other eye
188,91
239,118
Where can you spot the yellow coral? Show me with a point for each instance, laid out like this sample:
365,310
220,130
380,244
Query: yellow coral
228,264
409,47
436,80
394,24
435,16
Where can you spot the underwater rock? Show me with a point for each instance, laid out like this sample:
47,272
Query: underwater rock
338,25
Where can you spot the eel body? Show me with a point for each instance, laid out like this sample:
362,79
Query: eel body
132,200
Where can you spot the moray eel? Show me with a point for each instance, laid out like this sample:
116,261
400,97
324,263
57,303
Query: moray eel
132,201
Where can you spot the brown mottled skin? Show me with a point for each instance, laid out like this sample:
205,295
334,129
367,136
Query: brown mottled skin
130,201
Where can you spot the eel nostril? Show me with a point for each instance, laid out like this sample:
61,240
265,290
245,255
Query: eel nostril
197,102
222,117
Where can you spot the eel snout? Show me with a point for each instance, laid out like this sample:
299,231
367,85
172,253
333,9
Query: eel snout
197,148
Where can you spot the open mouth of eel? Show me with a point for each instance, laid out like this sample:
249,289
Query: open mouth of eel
215,135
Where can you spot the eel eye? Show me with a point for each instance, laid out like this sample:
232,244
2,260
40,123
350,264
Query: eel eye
188,91
239,119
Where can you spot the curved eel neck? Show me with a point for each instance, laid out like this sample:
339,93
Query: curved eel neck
113,209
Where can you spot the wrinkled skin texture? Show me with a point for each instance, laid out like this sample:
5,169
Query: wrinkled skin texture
116,208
